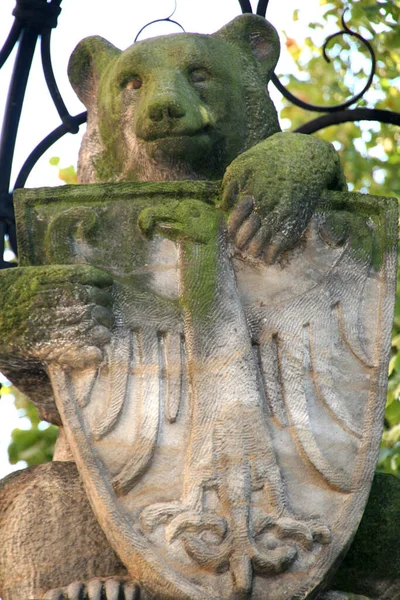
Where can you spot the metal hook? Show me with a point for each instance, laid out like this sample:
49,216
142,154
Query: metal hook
167,19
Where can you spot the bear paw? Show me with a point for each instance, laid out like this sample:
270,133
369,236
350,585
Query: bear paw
96,589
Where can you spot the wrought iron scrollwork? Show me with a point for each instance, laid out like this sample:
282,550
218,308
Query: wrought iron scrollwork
70,127
33,19
261,7
337,107
337,113
346,116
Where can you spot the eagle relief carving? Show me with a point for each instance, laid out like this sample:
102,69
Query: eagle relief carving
213,311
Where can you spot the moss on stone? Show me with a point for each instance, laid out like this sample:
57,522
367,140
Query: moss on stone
195,226
89,59
24,291
207,121
367,223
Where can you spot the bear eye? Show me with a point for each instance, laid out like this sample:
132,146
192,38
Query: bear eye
199,75
134,84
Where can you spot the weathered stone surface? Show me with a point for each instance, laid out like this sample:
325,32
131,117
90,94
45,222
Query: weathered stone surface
341,596
228,438
56,490
49,536
218,357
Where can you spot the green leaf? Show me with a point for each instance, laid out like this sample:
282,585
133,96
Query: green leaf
394,364
68,175
392,416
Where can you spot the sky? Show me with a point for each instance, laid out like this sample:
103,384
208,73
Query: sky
119,22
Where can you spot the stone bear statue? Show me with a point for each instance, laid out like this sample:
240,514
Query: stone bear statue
183,106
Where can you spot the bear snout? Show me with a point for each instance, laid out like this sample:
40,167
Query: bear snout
165,107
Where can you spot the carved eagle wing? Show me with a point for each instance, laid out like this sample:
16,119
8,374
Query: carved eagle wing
315,326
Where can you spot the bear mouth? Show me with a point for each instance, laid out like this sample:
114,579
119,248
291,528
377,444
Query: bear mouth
177,135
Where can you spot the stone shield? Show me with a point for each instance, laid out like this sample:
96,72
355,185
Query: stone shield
228,440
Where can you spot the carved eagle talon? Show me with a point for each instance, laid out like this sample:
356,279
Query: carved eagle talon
193,522
301,532
304,533
157,514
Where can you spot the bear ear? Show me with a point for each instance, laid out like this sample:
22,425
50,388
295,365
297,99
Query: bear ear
86,65
252,33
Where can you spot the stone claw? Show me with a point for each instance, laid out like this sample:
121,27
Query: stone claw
193,522
110,588
296,530
305,533
302,532
321,533
158,514
180,520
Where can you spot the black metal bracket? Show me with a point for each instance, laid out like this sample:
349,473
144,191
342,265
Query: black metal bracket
34,19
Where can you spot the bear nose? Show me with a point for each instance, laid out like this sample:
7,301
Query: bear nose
165,106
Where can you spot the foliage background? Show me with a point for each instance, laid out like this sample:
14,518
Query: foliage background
370,153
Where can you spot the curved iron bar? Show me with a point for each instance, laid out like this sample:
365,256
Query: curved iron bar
45,144
245,6
32,19
167,19
346,116
337,107
10,42
16,93
262,7
15,98
157,21
62,110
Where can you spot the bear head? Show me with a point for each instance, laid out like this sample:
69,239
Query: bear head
175,107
